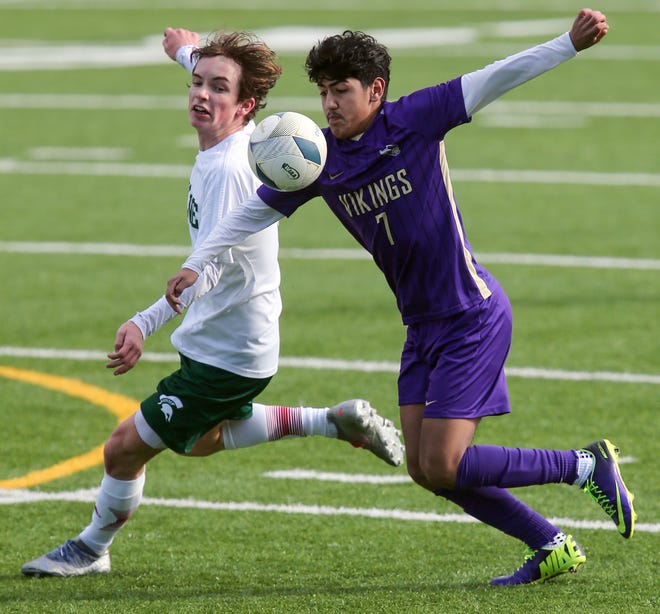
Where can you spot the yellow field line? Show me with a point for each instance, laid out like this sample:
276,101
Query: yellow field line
117,404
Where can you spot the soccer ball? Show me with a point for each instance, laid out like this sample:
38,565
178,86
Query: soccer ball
287,151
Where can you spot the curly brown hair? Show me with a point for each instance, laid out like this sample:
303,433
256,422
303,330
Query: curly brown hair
351,54
260,68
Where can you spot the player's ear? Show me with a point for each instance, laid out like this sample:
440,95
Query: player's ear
377,89
246,106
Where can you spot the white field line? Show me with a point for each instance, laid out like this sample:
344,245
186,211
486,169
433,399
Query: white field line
142,102
341,478
95,249
553,260
8,497
337,6
573,109
295,253
491,175
11,166
464,40
536,122
98,154
71,54
330,364
362,478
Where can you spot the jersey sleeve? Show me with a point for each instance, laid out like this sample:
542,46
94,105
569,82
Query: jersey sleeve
153,317
252,216
184,57
432,111
160,313
286,203
483,86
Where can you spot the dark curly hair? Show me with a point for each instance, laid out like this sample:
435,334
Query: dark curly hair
351,54
260,69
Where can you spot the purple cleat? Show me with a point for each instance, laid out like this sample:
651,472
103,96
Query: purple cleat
541,565
606,487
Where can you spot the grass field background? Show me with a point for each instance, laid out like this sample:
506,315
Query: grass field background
558,184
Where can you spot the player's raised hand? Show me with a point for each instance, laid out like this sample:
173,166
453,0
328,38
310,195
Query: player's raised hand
588,28
175,38
128,348
176,285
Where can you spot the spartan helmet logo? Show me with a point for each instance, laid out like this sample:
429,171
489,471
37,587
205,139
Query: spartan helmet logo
168,404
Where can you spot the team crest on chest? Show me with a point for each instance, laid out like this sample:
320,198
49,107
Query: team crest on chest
392,150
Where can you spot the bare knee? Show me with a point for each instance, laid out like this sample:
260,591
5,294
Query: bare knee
114,448
443,443
125,454
433,471
440,472
113,454
417,475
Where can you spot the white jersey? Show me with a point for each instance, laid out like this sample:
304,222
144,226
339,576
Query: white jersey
233,325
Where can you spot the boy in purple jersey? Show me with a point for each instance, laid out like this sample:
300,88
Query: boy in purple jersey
386,178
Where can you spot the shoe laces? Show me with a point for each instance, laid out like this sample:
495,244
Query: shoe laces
597,494
71,553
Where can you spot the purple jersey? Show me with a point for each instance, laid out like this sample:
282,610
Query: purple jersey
391,190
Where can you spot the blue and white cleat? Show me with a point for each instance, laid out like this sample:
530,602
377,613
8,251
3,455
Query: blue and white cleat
69,559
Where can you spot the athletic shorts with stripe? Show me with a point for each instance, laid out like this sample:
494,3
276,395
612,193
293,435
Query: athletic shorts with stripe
455,365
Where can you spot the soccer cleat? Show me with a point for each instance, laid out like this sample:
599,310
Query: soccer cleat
69,559
606,487
541,565
361,425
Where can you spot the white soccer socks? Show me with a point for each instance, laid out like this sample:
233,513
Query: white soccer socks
272,422
115,502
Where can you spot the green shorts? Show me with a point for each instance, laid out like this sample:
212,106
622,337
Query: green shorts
191,401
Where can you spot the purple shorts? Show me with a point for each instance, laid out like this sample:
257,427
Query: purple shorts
455,366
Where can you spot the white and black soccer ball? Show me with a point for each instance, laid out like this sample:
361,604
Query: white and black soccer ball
287,151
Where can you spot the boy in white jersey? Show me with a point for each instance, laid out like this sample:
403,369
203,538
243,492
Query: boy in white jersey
229,338
387,180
